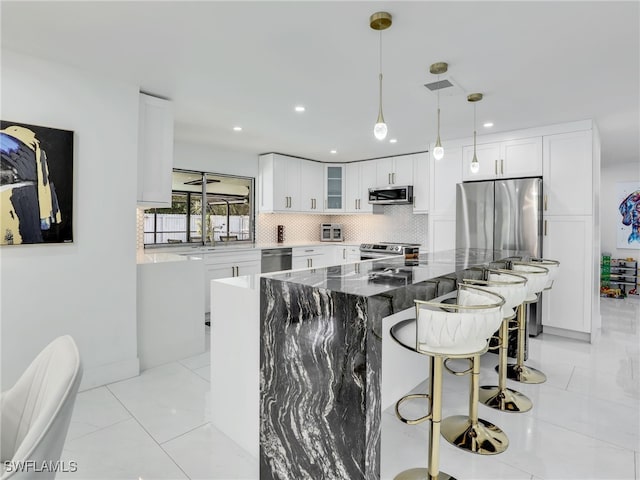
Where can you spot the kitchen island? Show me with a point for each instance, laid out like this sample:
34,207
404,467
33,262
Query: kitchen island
323,357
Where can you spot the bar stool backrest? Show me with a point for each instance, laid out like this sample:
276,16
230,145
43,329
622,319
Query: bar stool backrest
552,265
511,286
537,277
460,328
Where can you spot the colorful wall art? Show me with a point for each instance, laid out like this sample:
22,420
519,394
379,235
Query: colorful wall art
36,184
628,235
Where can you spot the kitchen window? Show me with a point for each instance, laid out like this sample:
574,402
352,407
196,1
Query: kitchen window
227,216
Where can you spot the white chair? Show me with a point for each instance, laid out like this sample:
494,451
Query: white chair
514,290
451,330
538,278
35,413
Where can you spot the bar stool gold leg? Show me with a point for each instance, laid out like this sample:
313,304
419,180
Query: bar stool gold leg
435,389
519,371
470,432
500,397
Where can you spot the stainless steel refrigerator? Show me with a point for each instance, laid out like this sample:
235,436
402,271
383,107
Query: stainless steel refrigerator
502,214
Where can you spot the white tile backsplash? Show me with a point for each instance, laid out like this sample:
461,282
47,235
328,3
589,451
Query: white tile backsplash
397,223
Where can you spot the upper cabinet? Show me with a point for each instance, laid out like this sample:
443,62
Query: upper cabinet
420,182
360,176
311,190
568,173
155,151
394,171
279,183
334,187
508,159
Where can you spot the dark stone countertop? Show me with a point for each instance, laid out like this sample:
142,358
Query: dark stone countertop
375,277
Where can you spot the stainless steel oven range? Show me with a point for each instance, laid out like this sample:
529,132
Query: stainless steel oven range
370,251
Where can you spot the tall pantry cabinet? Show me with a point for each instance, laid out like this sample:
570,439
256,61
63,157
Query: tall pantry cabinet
571,176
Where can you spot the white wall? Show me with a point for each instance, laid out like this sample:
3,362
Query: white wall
206,158
86,289
609,215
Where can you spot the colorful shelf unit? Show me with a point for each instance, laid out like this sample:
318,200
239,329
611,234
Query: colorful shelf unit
618,277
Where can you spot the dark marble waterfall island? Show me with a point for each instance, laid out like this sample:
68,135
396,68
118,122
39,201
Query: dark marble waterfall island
321,359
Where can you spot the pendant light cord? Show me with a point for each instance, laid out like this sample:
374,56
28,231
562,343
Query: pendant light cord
380,77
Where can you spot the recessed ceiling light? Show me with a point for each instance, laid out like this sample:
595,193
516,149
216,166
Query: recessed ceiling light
300,108
393,140
334,151
237,129
488,125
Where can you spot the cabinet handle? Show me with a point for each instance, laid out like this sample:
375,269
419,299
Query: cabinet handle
545,202
356,204
359,204
502,166
344,253
393,177
389,178
496,166
545,228
414,200
311,262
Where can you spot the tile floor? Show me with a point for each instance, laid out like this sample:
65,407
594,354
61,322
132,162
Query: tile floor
585,422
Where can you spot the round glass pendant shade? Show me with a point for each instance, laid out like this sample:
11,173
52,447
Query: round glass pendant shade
380,130
438,153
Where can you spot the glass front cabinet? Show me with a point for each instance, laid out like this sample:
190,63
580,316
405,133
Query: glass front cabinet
334,188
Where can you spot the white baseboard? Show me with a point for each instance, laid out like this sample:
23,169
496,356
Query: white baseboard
561,332
112,372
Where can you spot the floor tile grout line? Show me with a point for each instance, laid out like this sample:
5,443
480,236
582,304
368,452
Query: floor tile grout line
148,433
185,433
570,378
102,428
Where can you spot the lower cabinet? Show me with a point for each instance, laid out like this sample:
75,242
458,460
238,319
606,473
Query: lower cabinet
568,305
225,265
311,257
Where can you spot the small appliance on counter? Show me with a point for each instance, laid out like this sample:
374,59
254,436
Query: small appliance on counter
331,232
280,233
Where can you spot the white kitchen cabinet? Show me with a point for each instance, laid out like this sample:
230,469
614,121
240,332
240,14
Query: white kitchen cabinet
334,187
346,254
279,183
155,152
311,257
394,171
359,177
445,174
509,159
229,264
311,190
442,232
568,173
567,306
420,182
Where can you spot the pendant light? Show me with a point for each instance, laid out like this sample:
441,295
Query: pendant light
380,21
438,69
475,164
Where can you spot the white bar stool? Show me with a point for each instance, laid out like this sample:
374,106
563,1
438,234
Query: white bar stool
537,280
514,290
443,331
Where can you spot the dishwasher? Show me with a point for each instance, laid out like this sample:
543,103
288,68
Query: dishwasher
275,259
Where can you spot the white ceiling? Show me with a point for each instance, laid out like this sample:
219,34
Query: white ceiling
249,63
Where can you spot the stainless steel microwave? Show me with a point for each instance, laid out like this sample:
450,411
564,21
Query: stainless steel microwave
391,195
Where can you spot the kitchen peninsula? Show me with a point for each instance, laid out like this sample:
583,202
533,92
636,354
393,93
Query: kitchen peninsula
327,366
